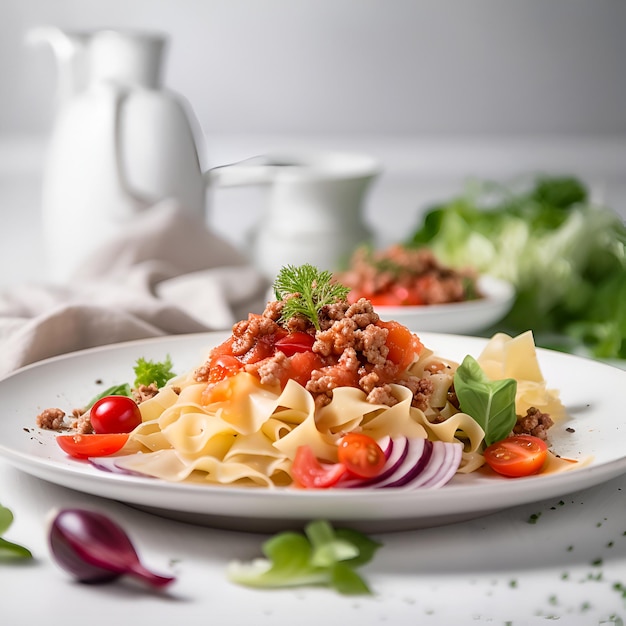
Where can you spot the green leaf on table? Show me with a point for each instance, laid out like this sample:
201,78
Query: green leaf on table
319,556
6,519
8,549
490,402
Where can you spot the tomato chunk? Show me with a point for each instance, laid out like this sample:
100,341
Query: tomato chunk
301,364
84,446
223,366
361,455
403,345
516,456
307,471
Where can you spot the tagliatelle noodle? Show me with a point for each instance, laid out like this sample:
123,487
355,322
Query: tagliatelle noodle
349,410
168,465
516,357
301,403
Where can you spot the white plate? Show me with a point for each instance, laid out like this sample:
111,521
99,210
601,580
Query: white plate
594,394
457,317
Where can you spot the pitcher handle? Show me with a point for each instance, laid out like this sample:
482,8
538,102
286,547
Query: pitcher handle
142,200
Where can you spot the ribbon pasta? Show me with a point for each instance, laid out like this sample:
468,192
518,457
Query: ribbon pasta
250,437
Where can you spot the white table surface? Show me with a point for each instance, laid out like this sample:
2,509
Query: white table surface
568,567
498,569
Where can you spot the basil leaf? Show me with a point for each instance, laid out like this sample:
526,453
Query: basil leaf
10,551
346,581
367,546
116,390
6,519
320,556
490,402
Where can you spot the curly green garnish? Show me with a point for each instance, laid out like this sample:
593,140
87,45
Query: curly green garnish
314,288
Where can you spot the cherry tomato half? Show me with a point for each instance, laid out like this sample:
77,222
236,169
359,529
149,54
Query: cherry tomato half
308,472
519,455
84,446
361,455
115,414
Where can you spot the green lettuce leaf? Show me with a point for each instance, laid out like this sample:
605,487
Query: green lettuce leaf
564,254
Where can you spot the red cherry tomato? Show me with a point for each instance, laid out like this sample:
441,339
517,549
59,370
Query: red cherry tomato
295,342
84,446
519,455
307,471
115,414
361,455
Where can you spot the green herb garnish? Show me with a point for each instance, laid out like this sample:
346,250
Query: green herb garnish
313,290
8,549
146,373
490,402
157,372
321,556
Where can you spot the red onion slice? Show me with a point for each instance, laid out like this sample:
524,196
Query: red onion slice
111,464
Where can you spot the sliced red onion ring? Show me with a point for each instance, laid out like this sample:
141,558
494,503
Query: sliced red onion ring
412,464
111,464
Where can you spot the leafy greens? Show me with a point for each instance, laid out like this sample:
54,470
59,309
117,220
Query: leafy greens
8,549
321,556
146,373
565,255
149,372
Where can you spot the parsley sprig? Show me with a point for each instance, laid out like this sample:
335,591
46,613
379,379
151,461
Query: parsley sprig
313,289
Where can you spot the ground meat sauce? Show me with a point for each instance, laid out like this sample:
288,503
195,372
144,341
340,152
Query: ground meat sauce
351,348
399,276
56,419
533,423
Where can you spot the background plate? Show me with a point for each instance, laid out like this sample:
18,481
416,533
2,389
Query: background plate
457,317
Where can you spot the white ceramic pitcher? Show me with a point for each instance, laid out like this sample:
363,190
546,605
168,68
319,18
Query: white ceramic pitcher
119,144
314,206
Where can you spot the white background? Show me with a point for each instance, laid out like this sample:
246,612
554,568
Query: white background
354,66
439,91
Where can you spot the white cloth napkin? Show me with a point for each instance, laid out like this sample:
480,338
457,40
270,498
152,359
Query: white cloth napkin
167,273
